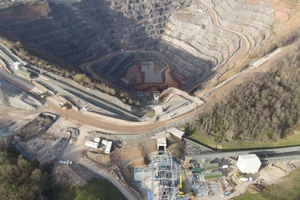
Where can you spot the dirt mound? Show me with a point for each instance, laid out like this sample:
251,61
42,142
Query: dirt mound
253,189
26,12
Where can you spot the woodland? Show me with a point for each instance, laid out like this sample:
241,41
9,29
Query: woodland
264,108
21,179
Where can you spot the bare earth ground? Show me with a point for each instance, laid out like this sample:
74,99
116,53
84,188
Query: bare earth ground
28,12
169,81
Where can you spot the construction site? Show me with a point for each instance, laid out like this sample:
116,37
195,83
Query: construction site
213,177
170,166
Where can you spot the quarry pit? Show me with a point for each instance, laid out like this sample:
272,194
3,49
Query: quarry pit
111,39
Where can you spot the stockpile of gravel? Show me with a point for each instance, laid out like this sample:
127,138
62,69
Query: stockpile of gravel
44,150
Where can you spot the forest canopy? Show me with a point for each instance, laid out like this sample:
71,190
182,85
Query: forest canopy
263,108
21,179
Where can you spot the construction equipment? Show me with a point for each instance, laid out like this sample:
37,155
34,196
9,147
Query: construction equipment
181,193
42,95
192,194
237,174
235,177
63,106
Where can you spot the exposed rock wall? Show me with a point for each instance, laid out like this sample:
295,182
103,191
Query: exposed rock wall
89,29
195,33
182,31
252,18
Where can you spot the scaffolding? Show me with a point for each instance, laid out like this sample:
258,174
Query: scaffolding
159,176
164,175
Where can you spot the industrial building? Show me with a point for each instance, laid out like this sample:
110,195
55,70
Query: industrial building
159,177
108,147
248,163
97,139
91,144
162,144
158,110
156,95
176,132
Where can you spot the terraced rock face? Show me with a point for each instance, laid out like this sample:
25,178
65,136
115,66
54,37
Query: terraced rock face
180,31
252,18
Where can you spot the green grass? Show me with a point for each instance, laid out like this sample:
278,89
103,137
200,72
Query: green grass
150,114
291,140
96,189
286,190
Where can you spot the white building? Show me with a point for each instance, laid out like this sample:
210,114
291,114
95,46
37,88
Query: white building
97,139
248,163
162,143
91,144
156,95
104,142
108,147
158,110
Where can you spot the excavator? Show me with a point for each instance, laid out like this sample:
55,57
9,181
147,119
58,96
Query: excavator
235,177
192,194
237,174
181,193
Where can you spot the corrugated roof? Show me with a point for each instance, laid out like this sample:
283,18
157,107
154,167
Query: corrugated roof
176,132
162,141
250,159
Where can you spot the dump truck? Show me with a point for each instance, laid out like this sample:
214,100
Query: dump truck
192,194
63,106
42,95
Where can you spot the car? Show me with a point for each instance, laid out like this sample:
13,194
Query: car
171,114
86,108
226,194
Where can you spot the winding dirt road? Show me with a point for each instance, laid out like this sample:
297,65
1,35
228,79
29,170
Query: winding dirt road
243,49
244,43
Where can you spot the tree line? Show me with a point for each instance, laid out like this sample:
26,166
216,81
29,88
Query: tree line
264,108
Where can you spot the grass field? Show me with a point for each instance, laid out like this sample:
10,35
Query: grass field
286,190
96,189
290,140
